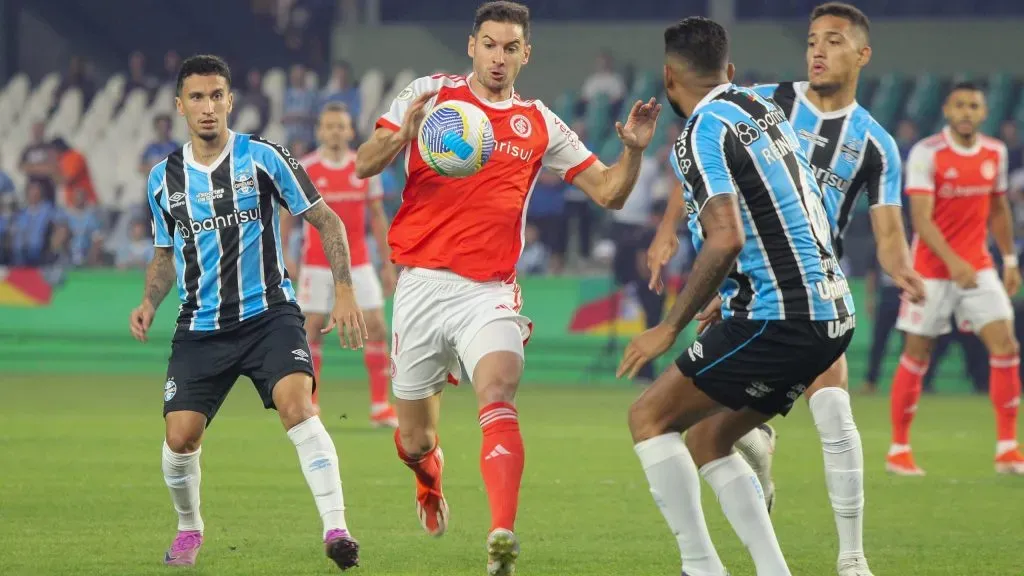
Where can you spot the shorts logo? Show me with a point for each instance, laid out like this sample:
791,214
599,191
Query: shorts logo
696,351
759,389
795,392
521,126
394,368
837,328
405,94
301,355
170,389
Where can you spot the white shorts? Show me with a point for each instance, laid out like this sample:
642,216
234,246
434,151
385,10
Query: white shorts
316,289
437,318
974,308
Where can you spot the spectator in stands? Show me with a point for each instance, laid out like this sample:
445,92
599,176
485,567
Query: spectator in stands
161,147
8,210
906,136
299,107
36,228
577,205
534,259
73,173
137,78
85,230
339,88
547,215
172,62
39,160
6,185
77,76
1010,137
604,81
138,251
253,96
633,229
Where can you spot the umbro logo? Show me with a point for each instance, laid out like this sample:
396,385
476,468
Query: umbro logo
177,197
696,351
301,354
499,450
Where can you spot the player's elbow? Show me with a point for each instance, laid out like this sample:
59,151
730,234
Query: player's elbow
728,241
364,168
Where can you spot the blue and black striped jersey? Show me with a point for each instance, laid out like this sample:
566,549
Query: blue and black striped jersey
222,221
849,151
737,142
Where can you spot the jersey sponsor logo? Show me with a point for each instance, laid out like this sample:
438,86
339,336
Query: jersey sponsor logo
244,183
827,177
832,289
746,133
520,152
795,392
570,136
772,118
211,195
837,328
680,152
236,218
948,190
521,125
988,170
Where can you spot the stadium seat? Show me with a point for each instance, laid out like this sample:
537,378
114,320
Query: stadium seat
65,119
247,121
13,99
610,149
371,93
925,99
888,99
999,96
596,119
274,82
565,106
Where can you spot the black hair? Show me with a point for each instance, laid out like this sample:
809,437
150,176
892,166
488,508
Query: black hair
503,11
965,85
203,65
848,12
702,42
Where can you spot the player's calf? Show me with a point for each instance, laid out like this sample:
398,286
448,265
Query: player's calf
419,449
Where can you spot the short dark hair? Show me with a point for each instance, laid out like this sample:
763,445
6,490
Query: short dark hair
203,65
702,42
503,11
965,85
334,107
848,12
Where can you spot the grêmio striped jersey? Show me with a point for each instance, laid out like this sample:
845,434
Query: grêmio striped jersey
849,151
737,142
222,221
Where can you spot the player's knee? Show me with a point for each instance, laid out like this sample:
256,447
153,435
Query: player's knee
183,441
707,444
293,398
918,348
643,422
1004,345
416,442
375,327
833,416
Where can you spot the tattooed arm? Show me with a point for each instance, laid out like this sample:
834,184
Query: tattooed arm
160,277
335,242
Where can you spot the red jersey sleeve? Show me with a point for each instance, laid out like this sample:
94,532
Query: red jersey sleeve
566,154
392,119
1003,176
920,169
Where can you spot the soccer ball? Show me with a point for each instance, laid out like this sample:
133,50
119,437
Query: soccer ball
456,139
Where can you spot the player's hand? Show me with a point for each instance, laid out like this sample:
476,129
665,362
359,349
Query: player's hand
414,116
662,249
639,127
963,274
644,348
141,319
349,319
710,315
912,285
389,278
1011,280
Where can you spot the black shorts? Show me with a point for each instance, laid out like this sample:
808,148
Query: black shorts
764,365
553,233
204,366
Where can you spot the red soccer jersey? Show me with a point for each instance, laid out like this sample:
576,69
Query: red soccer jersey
346,194
474,226
962,181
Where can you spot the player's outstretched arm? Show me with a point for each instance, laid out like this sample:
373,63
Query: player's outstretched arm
666,242
346,313
160,277
921,208
376,153
610,186
893,251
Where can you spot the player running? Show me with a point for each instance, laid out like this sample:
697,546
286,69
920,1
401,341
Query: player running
215,221
764,244
333,169
459,240
850,154
957,182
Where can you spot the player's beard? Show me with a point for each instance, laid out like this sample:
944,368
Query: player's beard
675,107
826,88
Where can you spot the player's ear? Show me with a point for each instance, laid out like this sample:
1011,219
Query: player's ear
865,56
179,105
666,74
526,53
730,71
471,46
231,101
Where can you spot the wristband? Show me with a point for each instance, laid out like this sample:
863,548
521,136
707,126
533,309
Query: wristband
1010,261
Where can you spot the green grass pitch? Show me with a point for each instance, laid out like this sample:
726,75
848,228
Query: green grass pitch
81,490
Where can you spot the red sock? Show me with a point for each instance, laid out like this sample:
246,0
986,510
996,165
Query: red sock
425,468
501,462
375,357
906,390
316,351
1004,391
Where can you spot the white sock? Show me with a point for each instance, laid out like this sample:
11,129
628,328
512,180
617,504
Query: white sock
742,501
757,451
675,486
319,461
844,466
182,476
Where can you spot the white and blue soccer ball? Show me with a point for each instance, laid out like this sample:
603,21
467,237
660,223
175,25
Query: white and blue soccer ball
456,139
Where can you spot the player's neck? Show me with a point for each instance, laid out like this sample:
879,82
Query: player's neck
486,93
334,156
832,101
964,141
205,152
